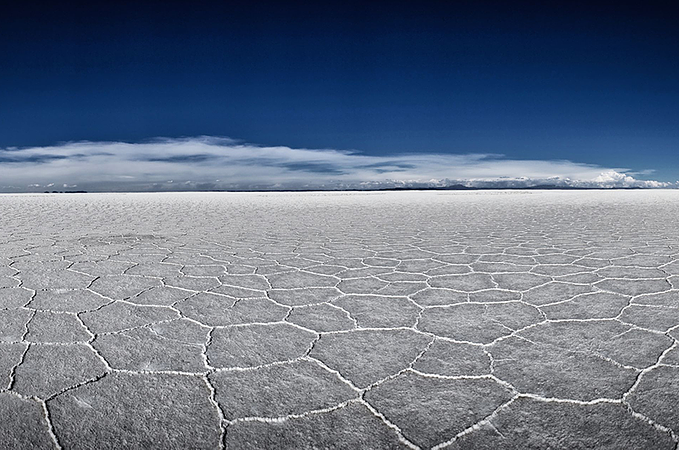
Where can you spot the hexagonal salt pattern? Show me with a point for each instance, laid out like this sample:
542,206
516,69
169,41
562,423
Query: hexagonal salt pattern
461,320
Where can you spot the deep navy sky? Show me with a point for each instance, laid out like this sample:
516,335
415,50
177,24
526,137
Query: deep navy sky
594,83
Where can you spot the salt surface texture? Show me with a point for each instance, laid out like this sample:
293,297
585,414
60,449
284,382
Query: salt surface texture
503,319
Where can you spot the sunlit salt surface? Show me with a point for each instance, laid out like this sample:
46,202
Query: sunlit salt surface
464,320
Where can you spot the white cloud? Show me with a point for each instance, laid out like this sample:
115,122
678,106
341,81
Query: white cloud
221,163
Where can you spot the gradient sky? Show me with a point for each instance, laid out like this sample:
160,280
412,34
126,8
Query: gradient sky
592,83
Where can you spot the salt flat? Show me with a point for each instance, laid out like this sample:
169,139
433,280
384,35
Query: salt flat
462,320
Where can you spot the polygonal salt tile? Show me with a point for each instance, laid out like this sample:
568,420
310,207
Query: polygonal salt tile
453,359
137,411
188,260
312,253
101,268
238,292
554,292
255,345
519,281
657,396
594,305
291,261
494,296
550,371
181,330
532,424
83,257
418,265
321,318
192,283
56,327
22,423
271,269
385,262
642,260
520,251
55,279
120,287
155,270
367,285
580,278
511,259
466,283
433,297
555,258
322,269
593,262
650,317
449,269
402,276
630,272
559,270
120,316
670,299
374,311
21,258
13,323
478,323
483,249
279,390
40,266
367,356
216,310
160,295
299,279
402,288
349,263
142,349
363,272
62,300
661,247
203,271
633,287
410,253
498,267
608,338
240,269
256,282
14,297
354,426
136,258
49,369
609,253
430,411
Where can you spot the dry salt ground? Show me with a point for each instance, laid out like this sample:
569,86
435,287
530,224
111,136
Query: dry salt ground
461,320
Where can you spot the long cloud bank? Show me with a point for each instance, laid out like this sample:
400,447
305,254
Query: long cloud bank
209,163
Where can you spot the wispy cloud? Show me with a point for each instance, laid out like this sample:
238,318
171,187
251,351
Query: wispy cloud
222,163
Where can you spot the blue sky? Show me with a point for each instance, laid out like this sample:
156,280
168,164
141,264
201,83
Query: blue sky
592,84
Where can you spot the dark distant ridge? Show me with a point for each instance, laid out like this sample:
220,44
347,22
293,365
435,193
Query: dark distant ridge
455,187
